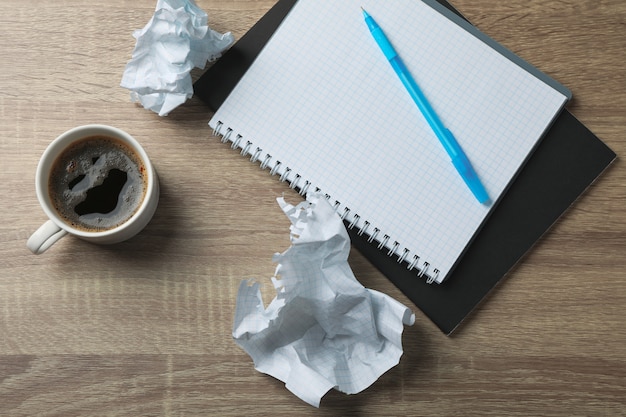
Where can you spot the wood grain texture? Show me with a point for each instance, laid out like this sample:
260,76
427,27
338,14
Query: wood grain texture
143,328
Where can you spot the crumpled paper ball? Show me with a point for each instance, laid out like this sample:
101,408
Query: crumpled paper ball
175,40
323,329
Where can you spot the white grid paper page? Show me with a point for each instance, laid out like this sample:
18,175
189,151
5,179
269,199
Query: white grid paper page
322,99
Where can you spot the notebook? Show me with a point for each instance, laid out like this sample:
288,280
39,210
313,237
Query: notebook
322,109
546,187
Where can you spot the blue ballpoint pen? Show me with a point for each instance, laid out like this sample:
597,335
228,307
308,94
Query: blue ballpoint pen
452,147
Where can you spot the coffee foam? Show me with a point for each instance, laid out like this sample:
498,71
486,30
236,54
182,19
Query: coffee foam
87,164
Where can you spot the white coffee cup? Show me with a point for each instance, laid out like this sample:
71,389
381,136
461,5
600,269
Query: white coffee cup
57,227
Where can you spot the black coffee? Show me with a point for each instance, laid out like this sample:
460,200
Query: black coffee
97,183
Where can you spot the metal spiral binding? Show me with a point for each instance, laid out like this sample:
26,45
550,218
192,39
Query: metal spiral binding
305,188
266,161
364,228
354,221
256,154
236,142
351,220
295,182
246,149
275,168
285,175
383,243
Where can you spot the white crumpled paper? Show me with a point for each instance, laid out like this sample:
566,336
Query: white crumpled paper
324,329
175,40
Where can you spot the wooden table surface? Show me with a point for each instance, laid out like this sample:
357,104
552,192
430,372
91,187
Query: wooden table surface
144,327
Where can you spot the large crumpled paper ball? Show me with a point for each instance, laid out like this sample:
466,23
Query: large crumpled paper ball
324,329
175,40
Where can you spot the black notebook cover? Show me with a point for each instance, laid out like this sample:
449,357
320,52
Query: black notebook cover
548,184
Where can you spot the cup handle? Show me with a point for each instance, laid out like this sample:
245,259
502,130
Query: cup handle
45,237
